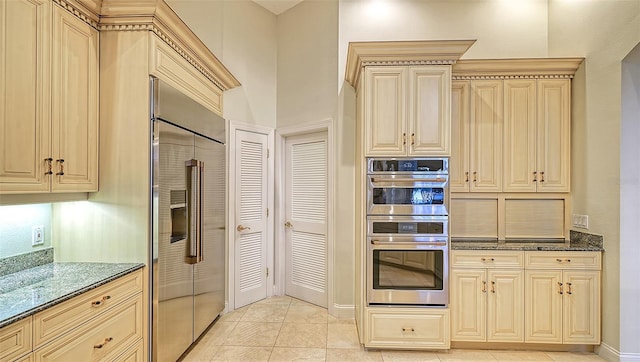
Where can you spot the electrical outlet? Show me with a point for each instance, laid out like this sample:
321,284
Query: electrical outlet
37,235
580,221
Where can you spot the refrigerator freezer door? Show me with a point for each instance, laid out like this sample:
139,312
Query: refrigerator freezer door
173,275
209,273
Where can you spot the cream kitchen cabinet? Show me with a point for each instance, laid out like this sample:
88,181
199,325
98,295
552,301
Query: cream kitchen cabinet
411,328
50,117
537,135
563,297
477,123
407,110
487,296
16,341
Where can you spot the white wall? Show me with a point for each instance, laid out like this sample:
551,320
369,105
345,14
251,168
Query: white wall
503,28
242,35
16,222
629,205
596,126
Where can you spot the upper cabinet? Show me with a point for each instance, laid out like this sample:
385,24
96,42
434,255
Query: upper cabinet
50,117
407,110
74,106
511,123
406,90
25,124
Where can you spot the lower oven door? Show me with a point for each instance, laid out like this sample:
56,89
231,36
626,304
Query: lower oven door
405,273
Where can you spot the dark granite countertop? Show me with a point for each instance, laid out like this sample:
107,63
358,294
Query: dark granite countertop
29,291
528,245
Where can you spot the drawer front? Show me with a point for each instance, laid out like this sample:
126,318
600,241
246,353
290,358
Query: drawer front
428,328
134,353
67,316
487,259
563,260
103,338
15,340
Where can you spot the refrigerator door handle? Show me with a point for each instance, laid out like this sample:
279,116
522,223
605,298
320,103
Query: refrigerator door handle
194,211
201,183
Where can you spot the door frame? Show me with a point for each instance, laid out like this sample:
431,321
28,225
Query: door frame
280,175
231,206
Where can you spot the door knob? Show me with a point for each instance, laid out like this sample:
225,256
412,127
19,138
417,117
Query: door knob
288,225
242,228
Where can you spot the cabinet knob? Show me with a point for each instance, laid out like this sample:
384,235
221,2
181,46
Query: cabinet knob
288,225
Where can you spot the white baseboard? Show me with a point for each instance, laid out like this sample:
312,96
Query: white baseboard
342,311
612,355
608,353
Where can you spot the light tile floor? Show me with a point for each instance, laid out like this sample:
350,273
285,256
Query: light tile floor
287,329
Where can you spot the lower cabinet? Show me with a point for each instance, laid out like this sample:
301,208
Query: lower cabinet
103,324
563,303
531,296
487,297
15,340
407,328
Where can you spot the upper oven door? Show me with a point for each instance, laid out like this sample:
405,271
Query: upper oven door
407,194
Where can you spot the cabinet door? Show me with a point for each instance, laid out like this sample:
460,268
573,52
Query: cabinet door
505,306
74,104
543,306
486,136
554,135
385,111
468,304
429,126
24,95
581,307
459,160
520,136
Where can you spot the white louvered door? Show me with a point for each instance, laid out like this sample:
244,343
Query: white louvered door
306,217
250,229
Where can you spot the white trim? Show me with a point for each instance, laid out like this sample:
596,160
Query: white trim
281,134
231,182
607,352
344,311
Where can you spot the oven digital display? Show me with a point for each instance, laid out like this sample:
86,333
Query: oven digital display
407,228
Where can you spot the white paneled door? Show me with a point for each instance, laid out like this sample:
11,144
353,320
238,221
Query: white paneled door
306,217
250,229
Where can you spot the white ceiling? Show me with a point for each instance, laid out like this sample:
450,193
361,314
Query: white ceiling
277,6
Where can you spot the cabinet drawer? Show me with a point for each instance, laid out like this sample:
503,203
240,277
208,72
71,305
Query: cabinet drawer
412,328
563,260
134,353
67,316
15,340
103,338
487,259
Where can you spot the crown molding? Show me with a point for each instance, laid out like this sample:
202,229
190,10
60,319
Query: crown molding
361,54
158,17
521,68
155,16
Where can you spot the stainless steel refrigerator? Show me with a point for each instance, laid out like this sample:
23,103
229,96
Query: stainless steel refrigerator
189,213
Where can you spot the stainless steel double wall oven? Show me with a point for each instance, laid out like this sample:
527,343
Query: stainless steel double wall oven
407,231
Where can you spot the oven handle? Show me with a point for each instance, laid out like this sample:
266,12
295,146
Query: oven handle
407,243
409,180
